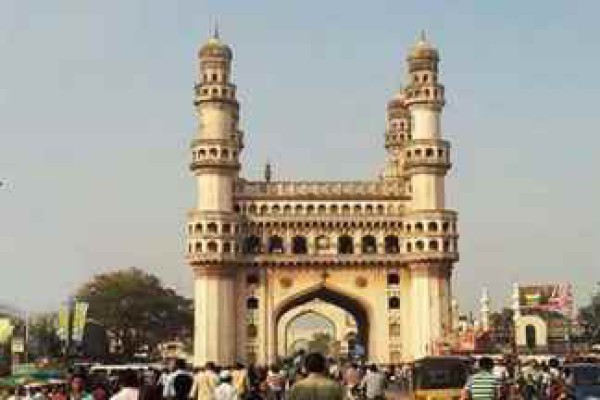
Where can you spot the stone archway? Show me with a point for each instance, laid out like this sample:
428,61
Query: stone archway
329,295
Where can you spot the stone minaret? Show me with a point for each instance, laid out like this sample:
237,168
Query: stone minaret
427,162
485,309
212,224
397,136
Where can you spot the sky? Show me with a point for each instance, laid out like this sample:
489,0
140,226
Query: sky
96,118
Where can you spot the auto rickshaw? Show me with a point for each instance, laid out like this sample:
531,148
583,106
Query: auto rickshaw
439,378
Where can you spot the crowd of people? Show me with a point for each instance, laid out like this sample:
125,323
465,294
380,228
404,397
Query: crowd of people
309,377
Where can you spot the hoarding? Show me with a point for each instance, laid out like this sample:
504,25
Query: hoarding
547,297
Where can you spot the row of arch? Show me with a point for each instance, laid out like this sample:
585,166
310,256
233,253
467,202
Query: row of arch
214,153
408,227
344,245
308,209
218,91
430,94
428,152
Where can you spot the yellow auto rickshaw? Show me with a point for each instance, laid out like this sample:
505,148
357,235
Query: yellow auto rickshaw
439,378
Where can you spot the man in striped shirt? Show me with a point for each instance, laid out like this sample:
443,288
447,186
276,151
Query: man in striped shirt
483,385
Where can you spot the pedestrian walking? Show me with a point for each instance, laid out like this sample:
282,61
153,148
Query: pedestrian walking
316,386
483,385
225,390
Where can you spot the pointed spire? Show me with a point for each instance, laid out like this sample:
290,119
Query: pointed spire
215,32
268,171
422,36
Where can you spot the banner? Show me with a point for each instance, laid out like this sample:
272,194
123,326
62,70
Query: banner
551,297
6,330
79,318
63,322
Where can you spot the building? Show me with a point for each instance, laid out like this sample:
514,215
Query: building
383,250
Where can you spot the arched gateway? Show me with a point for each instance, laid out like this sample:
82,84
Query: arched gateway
383,250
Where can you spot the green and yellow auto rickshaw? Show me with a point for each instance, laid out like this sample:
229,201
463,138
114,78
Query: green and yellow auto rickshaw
439,378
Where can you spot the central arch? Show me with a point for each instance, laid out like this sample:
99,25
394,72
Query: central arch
329,295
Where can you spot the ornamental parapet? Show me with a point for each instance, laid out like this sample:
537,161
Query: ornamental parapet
345,259
214,164
430,94
320,190
234,141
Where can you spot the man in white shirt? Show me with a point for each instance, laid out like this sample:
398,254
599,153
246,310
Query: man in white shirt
225,390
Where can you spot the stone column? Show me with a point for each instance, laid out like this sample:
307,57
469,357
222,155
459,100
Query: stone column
215,316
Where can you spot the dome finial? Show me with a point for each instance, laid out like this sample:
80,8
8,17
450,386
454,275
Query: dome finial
215,30
422,36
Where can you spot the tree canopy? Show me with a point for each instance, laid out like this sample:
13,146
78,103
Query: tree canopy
136,310
590,318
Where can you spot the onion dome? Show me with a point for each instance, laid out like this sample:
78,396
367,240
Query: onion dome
398,101
423,50
214,47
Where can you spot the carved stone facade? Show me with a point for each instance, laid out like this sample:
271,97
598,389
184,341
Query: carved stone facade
383,250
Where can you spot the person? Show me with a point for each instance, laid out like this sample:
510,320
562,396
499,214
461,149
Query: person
58,393
13,394
178,384
225,390
99,392
205,382
316,386
129,386
275,384
240,380
373,383
483,385
352,381
150,388
77,387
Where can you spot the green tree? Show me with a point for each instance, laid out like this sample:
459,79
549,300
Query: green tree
136,310
43,339
590,319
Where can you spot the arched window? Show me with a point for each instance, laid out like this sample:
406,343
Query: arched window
213,152
419,245
276,209
226,247
251,245
394,303
530,337
226,228
322,244
334,209
225,153
345,244
252,303
237,208
299,245
252,209
393,279
357,209
369,244
212,247
395,329
345,209
408,247
275,244
380,209
432,226
446,246
322,209
369,209
310,209
419,227
433,245
392,244
252,279
408,228
264,209
190,248
445,226
287,209
211,227
198,228
198,247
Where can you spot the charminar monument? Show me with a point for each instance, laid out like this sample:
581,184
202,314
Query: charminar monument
263,252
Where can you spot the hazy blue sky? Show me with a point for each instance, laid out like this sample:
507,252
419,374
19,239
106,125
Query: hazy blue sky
96,117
